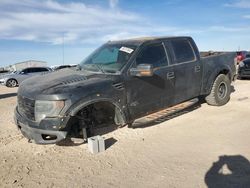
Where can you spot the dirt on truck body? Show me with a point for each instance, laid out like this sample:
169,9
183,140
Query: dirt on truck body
120,82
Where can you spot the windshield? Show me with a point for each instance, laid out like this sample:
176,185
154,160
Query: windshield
108,58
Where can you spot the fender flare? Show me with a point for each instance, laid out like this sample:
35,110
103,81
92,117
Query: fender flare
80,105
225,69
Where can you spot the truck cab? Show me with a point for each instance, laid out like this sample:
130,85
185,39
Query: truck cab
171,62
118,83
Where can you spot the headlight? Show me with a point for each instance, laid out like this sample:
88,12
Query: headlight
47,109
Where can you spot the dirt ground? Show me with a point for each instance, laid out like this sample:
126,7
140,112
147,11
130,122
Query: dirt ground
208,146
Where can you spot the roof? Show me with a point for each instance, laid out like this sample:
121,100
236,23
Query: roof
141,40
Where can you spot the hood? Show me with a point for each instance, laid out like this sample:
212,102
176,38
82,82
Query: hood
58,82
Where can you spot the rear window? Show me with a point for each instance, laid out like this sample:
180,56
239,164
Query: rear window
183,51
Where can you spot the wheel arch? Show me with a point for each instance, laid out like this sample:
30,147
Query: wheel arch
120,111
11,79
220,92
209,83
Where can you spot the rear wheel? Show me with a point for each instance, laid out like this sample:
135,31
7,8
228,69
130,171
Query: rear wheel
220,92
11,83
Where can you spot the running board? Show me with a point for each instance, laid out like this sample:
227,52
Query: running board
165,114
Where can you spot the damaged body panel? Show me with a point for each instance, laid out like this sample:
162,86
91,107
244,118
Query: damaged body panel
118,83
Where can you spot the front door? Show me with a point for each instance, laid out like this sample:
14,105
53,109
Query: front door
148,94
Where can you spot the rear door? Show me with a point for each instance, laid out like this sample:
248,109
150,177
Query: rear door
149,94
187,69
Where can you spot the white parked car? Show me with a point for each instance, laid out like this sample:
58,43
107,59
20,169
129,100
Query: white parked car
14,79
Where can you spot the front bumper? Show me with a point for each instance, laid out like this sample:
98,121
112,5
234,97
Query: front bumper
46,135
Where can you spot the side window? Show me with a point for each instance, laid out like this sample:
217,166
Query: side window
153,54
33,70
183,51
30,70
38,70
25,71
42,70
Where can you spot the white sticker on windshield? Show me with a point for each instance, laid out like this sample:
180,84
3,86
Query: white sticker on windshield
126,49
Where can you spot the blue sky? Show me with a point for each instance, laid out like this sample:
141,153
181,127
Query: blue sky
34,29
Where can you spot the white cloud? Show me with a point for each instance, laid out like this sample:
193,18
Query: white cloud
239,4
228,29
113,3
246,16
50,20
47,20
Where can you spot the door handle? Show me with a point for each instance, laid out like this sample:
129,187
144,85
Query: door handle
170,75
197,68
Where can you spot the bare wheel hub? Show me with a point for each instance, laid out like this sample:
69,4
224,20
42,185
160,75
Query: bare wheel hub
222,90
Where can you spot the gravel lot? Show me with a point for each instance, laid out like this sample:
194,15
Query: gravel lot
208,146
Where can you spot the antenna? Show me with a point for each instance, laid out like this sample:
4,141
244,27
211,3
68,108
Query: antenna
63,49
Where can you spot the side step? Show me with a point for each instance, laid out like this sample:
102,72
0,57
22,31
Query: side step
165,114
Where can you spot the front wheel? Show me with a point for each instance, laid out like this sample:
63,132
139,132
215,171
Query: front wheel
11,83
220,92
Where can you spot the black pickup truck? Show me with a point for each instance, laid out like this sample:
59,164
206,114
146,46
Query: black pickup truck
120,82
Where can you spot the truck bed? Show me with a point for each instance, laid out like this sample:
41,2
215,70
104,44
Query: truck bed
212,65
211,53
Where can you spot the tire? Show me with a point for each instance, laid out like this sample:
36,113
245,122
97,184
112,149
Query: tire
11,83
220,92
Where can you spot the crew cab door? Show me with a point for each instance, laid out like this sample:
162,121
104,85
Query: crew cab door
146,94
187,69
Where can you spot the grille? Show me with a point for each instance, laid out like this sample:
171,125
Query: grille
26,107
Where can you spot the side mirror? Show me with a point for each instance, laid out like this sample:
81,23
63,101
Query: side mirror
22,72
142,70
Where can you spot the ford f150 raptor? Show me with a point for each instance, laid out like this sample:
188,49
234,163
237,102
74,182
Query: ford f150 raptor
120,82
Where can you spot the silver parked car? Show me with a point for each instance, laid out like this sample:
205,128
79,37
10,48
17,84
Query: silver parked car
14,79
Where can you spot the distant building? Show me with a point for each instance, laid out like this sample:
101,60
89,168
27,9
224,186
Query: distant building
25,64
